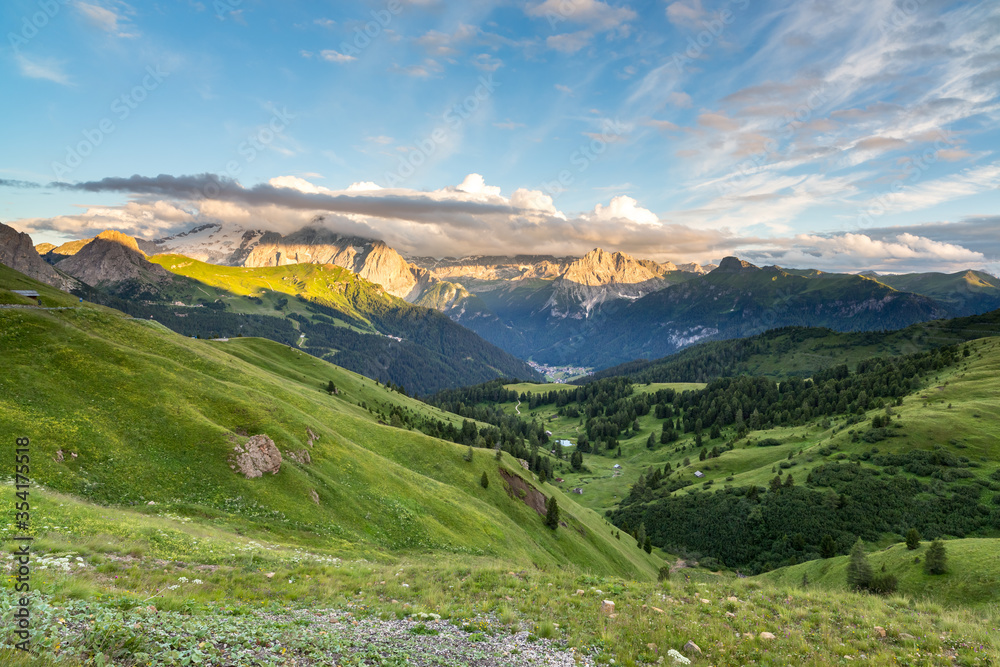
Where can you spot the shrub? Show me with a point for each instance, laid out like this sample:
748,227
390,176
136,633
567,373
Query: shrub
768,442
664,573
936,560
883,583
912,539
485,481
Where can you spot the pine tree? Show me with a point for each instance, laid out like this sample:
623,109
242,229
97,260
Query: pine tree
912,539
651,441
648,545
468,455
552,513
485,481
331,388
859,571
640,539
936,560
827,547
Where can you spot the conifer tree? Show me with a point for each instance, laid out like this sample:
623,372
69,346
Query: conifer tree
912,539
827,547
936,560
859,571
485,481
552,513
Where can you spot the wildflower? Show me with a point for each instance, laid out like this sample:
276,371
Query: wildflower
183,580
197,581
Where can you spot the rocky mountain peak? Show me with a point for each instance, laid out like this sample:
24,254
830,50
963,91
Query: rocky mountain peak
599,267
735,265
18,252
112,257
118,237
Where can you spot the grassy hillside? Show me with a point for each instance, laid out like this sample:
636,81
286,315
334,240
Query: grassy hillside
121,413
800,351
324,309
966,292
153,587
972,577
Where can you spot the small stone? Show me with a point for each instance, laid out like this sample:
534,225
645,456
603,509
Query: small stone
607,607
691,648
766,635
657,610
747,635
704,601
269,575
651,647
880,631
730,614
732,598
579,591
903,635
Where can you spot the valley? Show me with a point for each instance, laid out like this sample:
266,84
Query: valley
393,526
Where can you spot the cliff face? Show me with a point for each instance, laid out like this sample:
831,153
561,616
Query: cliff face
372,260
18,252
111,258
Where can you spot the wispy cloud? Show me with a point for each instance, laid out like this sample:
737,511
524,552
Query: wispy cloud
48,69
111,17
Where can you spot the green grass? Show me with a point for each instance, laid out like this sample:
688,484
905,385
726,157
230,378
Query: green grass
153,416
174,582
970,388
972,577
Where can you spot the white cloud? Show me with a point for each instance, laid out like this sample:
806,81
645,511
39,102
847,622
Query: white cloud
108,20
623,207
475,184
686,12
569,42
906,246
598,15
487,63
334,56
297,183
47,69
446,44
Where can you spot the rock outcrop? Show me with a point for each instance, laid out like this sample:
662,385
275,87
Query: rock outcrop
256,456
18,252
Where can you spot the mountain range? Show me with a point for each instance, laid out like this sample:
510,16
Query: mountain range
598,310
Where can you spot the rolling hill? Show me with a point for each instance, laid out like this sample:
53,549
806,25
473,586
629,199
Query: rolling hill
122,412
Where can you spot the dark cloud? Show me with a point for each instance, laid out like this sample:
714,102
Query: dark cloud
209,186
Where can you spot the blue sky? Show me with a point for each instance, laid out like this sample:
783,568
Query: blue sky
843,135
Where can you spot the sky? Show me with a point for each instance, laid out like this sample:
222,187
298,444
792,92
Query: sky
834,134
